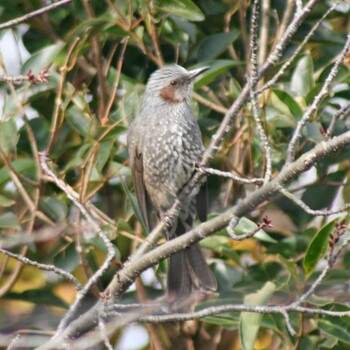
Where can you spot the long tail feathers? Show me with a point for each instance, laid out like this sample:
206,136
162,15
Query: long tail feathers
189,272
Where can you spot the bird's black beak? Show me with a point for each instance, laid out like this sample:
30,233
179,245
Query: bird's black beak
192,74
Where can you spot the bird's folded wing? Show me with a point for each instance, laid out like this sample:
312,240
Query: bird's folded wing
202,202
141,193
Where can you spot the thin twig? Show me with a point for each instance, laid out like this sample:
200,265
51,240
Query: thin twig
30,15
210,104
233,177
104,119
58,101
47,267
307,209
343,112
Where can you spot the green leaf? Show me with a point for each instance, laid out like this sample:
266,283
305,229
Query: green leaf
55,208
217,68
214,45
246,226
313,132
103,154
8,135
303,76
67,258
292,106
185,9
6,202
222,320
218,244
250,322
318,246
9,220
336,330
78,120
38,297
42,59
226,275
322,196
20,165
100,244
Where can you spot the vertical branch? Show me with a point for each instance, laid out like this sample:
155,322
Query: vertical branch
116,83
58,102
288,13
97,55
264,31
242,24
153,33
252,81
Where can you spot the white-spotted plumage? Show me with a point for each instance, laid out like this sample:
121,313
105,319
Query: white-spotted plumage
165,146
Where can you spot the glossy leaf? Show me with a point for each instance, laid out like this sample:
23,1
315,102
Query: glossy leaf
302,79
42,59
185,9
9,221
217,68
54,207
250,322
318,246
67,258
212,46
8,135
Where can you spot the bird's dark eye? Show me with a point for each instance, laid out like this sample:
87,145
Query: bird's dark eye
173,83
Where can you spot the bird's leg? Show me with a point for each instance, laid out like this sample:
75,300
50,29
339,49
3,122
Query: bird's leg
167,219
199,169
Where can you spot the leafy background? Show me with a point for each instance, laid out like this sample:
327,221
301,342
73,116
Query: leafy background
89,152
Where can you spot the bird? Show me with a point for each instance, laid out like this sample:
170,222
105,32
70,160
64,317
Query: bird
165,148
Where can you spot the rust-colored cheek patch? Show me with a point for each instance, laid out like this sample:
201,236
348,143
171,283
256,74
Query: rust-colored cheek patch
169,94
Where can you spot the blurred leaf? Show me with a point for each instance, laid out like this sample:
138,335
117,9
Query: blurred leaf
185,9
38,297
335,330
103,153
6,202
118,169
20,165
218,243
293,107
217,68
8,135
222,320
321,196
67,258
99,243
9,221
302,79
54,208
78,120
313,132
214,45
250,322
318,247
42,59
226,275
246,226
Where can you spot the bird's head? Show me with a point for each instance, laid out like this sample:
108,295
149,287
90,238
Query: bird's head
172,84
